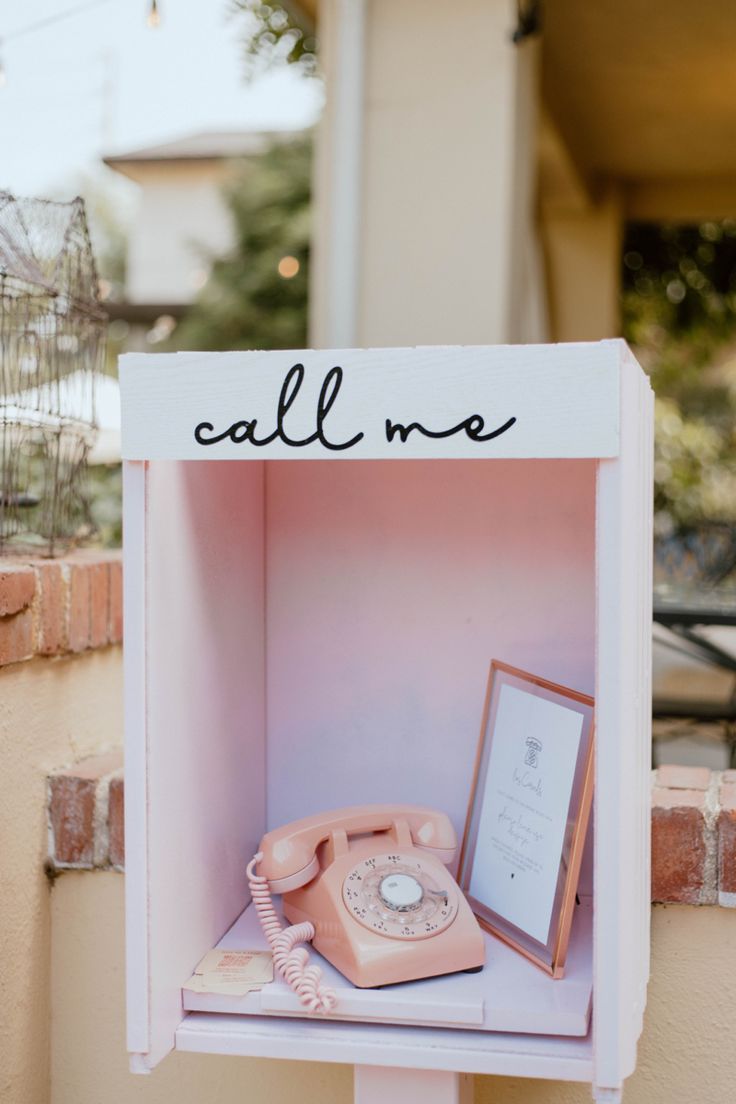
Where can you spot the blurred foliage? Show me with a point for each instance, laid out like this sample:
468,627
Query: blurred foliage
251,300
679,313
106,204
105,495
109,240
106,213
107,220
275,34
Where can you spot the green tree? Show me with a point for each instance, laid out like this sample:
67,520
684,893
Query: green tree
679,312
274,34
256,294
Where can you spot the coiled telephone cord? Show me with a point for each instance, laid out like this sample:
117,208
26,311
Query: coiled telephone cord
289,959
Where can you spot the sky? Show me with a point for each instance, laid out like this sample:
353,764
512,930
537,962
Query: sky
101,81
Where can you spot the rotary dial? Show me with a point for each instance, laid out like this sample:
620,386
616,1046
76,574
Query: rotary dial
398,897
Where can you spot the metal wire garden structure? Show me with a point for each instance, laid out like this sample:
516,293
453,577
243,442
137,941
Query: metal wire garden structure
52,345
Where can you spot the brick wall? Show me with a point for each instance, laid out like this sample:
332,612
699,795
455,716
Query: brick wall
58,607
55,607
694,836
693,827
86,815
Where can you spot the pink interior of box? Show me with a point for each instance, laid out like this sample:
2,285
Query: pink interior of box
390,586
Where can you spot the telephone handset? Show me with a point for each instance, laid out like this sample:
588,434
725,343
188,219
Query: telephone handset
368,886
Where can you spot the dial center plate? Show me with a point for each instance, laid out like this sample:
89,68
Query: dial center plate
401,896
400,891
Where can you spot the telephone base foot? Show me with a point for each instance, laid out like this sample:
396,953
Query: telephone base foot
389,984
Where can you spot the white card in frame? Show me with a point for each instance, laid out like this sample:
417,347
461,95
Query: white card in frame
528,813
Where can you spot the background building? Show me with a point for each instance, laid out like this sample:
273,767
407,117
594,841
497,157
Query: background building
181,221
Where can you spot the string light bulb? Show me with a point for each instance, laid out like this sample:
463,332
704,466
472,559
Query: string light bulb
153,19
288,267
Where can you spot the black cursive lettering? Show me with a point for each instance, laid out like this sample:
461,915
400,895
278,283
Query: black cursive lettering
245,430
242,431
326,401
473,426
211,440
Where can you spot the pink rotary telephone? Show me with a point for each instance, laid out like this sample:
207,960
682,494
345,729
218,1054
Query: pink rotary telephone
368,886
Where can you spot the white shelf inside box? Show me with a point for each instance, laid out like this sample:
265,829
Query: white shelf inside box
508,995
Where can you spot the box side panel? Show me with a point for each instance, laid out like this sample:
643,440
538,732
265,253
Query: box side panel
644,605
136,789
623,694
390,589
205,716
454,403
647,495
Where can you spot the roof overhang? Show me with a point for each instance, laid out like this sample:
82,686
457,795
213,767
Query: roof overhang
645,95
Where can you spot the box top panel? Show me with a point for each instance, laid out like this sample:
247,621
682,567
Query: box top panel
464,402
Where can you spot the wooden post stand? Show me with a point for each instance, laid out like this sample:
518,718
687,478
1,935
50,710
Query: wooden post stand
380,1084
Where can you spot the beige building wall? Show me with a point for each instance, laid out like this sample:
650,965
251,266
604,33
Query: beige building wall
52,712
582,248
471,222
446,250
685,1054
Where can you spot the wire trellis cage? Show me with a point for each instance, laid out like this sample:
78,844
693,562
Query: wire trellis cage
52,345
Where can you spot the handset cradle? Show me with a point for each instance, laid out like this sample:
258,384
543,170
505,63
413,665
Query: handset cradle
368,886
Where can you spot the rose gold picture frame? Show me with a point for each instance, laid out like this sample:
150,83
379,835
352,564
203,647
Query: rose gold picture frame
549,955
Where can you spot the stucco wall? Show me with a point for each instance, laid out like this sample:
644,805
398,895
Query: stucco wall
89,1062
52,712
686,1052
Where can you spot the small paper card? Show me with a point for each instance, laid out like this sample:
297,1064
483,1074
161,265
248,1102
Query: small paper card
233,972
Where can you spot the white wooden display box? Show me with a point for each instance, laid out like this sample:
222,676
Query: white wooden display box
301,636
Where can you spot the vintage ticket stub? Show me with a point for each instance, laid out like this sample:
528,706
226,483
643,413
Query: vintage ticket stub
231,971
